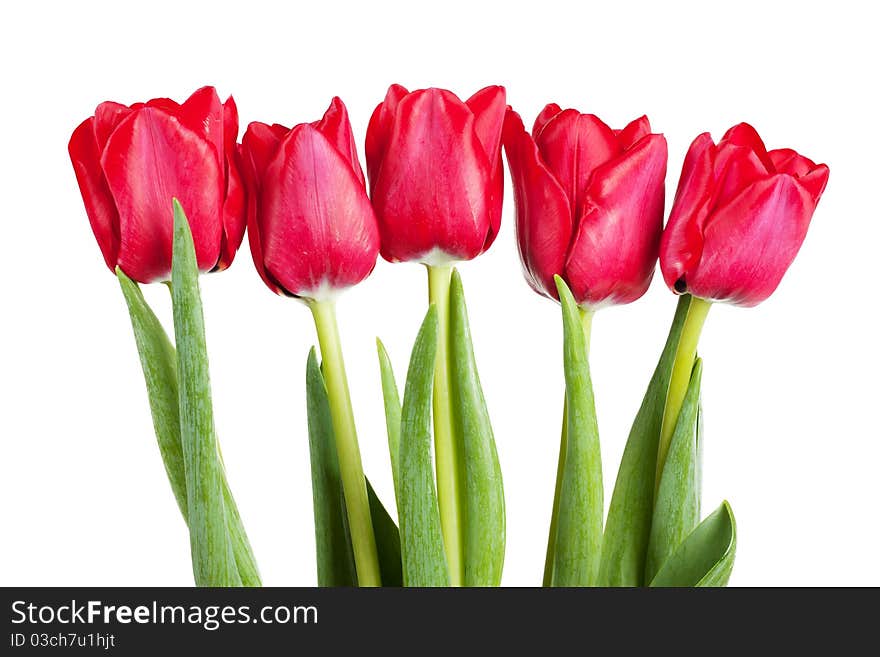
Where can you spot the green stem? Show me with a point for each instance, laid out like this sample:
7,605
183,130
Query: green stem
354,488
685,355
587,323
445,444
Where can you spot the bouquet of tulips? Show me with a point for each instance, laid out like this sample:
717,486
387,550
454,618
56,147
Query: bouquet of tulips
170,192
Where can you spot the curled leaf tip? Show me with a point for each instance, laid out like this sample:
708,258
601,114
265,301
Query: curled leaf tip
560,283
565,295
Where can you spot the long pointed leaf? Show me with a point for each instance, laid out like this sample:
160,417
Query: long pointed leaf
159,363
387,540
335,559
483,504
676,510
706,556
421,540
628,528
698,476
579,524
245,562
212,555
391,400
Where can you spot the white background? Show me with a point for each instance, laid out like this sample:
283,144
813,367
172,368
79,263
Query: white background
790,387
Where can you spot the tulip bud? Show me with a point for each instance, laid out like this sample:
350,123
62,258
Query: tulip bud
131,161
311,228
589,203
740,216
436,180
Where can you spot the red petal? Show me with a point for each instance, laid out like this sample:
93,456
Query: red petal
150,159
204,115
260,142
812,176
230,125
86,159
682,239
550,110
634,131
745,135
234,204
165,104
543,214
488,106
258,148
318,230
108,115
494,201
751,241
253,227
614,250
379,130
572,145
815,181
335,126
432,193
234,214
736,167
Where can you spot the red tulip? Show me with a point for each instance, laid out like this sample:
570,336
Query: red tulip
436,180
589,203
310,224
131,161
740,215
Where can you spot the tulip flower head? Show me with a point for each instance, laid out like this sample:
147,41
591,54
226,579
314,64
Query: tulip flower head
436,180
311,228
589,203
740,216
131,161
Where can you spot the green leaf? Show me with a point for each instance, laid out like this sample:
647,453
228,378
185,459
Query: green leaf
387,533
245,562
212,555
159,363
676,510
421,540
579,524
628,527
333,550
706,556
698,475
387,540
391,399
332,537
483,503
